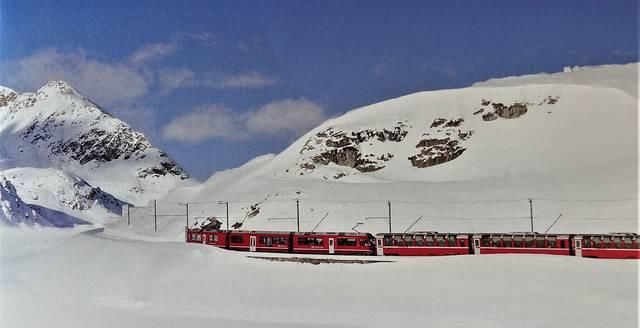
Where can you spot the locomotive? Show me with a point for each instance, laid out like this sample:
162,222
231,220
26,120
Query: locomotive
428,243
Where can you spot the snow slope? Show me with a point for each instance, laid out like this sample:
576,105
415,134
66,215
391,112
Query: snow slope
460,160
106,280
56,190
56,127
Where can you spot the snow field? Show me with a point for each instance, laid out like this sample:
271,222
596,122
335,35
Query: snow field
108,279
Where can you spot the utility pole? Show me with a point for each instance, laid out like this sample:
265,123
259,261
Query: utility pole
389,205
227,207
298,213
187,205
531,212
155,215
128,214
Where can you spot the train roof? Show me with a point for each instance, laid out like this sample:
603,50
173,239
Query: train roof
332,234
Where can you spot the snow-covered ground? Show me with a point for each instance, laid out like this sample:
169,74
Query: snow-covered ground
58,278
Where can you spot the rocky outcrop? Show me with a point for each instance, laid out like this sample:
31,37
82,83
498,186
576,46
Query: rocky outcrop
441,145
492,110
343,148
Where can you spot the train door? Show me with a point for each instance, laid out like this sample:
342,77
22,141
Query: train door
578,246
379,248
252,243
332,247
476,245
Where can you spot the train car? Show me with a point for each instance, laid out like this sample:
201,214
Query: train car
218,238
522,243
193,236
422,244
607,246
344,243
260,241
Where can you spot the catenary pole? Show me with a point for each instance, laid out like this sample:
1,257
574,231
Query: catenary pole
389,205
531,212
298,213
155,215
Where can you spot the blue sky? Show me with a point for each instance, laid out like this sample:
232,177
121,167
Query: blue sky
216,83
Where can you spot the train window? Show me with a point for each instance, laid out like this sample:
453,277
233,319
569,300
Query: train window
627,242
507,242
485,242
496,241
586,242
211,238
517,241
606,242
346,242
398,240
528,241
268,241
463,242
198,237
236,239
429,240
551,242
193,236
387,241
419,240
617,242
452,241
539,242
408,240
440,241
365,242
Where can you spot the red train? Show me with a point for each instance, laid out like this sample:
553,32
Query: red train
614,245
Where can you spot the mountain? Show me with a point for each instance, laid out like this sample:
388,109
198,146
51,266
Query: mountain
454,160
63,152
58,127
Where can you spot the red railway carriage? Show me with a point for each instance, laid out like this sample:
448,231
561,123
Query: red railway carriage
609,246
519,243
260,241
422,244
215,237
345,243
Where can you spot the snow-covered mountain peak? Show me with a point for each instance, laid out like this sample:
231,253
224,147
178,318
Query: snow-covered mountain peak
58,127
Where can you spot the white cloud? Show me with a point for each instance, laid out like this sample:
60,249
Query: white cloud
251,80
205,122
153,51
291,117
287,118
172,79
104,82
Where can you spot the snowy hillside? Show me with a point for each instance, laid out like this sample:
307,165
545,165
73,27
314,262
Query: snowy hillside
56,190
460,160
56,127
